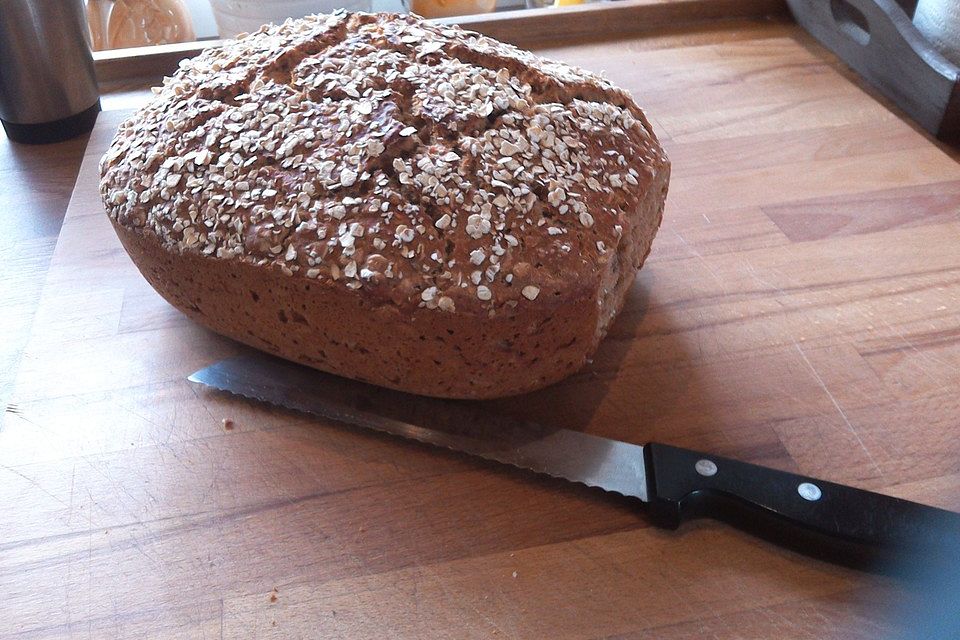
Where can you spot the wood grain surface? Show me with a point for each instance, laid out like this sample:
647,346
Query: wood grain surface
799,310
35,187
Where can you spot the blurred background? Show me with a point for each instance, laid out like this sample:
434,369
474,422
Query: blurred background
116,24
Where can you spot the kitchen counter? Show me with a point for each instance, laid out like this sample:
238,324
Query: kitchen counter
799,310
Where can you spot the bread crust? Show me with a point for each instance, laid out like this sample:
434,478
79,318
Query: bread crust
449,230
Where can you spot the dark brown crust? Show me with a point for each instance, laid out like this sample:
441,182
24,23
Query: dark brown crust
554,273
437,354
448,355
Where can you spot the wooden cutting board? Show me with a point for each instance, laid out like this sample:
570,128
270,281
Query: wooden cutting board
799,310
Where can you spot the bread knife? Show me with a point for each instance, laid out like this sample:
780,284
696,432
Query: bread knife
832,521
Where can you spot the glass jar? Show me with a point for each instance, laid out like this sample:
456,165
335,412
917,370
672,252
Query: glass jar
117,24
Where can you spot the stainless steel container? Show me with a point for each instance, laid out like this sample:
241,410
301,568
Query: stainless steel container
48,88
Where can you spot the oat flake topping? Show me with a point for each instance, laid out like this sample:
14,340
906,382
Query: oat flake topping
424,164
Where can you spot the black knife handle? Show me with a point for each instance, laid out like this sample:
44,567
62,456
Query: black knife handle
852,526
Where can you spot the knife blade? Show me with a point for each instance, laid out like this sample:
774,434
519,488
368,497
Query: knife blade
829,520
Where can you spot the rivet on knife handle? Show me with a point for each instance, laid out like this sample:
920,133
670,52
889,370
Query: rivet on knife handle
840,523
837,522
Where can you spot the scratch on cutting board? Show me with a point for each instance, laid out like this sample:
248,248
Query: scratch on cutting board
73,477
151,422
923,356
701,259
756,276
203,403
136,545
34,483
839,409
119,487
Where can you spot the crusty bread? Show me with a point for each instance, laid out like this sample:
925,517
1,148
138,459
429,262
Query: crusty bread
395,201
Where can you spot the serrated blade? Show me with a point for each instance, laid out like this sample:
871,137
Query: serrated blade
459,425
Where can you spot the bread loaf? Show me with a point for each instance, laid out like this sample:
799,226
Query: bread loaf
391,200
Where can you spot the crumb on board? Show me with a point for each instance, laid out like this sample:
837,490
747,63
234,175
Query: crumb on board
227,424
514,574
273,595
